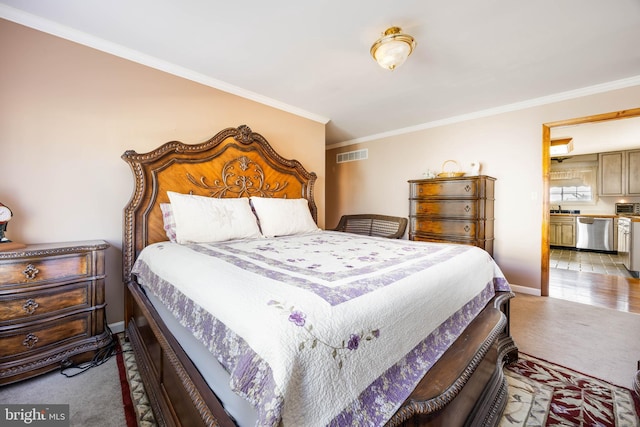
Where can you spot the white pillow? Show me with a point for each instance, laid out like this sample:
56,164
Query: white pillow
283,217
208,219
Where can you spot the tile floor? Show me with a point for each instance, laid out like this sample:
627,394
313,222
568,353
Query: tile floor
593,262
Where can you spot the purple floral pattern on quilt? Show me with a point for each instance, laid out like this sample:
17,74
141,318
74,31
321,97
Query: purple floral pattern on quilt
362,257
312,340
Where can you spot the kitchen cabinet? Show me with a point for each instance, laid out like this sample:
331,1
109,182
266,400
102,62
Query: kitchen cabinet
633,173
562,231
611,173
456,210
619,173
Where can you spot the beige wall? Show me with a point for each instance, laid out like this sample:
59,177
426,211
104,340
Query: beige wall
509,147
68,112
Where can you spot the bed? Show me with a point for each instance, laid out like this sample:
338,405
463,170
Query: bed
290,324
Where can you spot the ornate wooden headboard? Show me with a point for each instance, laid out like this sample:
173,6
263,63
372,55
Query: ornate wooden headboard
234,163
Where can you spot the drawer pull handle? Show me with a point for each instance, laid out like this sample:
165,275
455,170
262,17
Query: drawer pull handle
467,188
31,272
467,228
30,341
467,208
30,306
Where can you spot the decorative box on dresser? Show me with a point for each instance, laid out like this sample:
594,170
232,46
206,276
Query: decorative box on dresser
51,307
455,210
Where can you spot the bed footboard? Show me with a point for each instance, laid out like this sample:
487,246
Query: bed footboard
467,386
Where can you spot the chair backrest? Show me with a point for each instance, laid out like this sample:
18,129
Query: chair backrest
392,227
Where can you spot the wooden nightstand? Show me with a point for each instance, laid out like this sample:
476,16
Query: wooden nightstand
51,307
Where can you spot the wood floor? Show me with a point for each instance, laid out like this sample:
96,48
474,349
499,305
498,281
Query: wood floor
601,290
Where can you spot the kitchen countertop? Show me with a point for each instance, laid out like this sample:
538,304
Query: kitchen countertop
589,215
634,218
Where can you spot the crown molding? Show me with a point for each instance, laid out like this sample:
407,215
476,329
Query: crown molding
59,30
544,100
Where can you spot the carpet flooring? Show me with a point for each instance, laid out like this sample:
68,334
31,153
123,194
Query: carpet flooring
601,342
94,397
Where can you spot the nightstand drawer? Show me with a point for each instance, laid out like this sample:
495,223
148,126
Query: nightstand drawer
36,302
50,269
16,343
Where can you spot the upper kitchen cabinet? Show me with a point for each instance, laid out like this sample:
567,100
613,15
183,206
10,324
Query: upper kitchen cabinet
633,173
611,173
619,173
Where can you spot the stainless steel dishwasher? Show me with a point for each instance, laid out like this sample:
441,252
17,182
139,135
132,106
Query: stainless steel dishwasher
594,233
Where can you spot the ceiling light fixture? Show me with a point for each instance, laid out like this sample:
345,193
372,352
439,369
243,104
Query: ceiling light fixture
561,146
393,48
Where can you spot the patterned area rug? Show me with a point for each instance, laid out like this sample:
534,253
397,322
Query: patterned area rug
540,394
141,405
545,394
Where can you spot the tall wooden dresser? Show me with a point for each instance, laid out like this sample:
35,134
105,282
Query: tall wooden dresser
51,307
457,210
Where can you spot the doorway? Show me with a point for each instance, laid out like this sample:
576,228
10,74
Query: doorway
546,168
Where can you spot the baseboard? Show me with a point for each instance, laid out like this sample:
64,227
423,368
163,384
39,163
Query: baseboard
117,327
526,290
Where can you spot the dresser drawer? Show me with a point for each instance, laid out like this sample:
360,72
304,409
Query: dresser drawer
455,188
453,228
44,269
434,188
35,302
437,239
39,337
447,208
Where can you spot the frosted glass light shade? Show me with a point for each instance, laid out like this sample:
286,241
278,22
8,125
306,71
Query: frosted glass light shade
393,48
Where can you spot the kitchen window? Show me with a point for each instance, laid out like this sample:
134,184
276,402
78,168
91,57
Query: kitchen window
573,183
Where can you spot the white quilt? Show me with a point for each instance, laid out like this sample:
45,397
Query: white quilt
324,328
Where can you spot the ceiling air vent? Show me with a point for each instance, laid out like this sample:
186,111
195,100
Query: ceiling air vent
353,156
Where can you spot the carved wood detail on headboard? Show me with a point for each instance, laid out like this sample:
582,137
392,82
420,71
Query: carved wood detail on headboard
241,177
236,162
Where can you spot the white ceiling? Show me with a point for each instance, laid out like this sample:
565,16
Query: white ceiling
312,57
